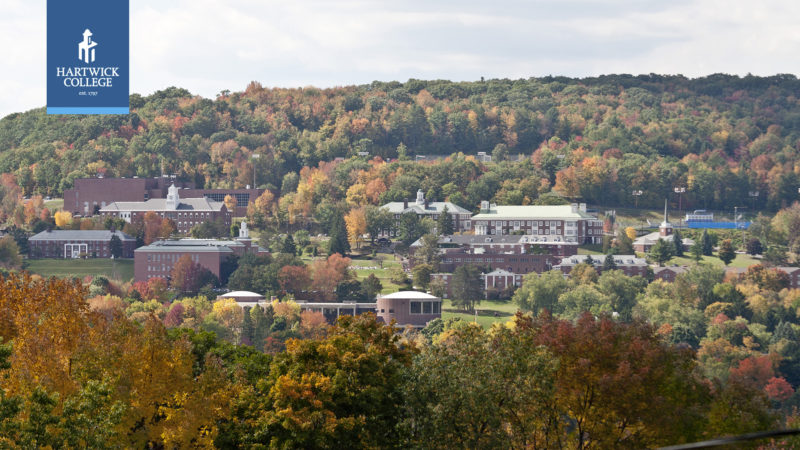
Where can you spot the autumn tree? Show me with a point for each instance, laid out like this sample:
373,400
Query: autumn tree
63,219
356,226
294,279
479,389
189,276
618,384
328,273
260,211
152,227
343,390
230,203
10,257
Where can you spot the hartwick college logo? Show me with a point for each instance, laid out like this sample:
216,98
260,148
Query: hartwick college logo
97,81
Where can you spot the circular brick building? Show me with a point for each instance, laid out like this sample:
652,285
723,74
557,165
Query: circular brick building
409,308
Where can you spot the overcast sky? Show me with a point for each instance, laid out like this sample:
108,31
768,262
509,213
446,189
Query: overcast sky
208,46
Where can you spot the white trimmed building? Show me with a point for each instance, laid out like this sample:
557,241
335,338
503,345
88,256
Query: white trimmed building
570,222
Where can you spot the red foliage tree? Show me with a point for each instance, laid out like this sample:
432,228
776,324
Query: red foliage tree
294,279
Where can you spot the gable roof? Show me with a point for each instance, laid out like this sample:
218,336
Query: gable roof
432,208
506,212
201,204
80,235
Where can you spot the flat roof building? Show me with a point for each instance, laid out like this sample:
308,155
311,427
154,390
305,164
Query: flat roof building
157,259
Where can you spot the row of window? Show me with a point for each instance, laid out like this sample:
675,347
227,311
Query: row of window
170,257
423,307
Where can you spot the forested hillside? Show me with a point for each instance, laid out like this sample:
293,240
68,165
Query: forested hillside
594,139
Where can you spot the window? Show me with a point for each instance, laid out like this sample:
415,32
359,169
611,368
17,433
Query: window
416,307
427,308
437,308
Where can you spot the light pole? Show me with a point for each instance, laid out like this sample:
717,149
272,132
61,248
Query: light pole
680,191
754,196
254,156
637,192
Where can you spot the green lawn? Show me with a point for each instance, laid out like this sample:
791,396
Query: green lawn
123,268
486,312
740,261
388,264
55,204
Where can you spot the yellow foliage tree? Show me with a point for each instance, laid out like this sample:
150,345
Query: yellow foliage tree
356,226
357,195
63,218
230,203
631,232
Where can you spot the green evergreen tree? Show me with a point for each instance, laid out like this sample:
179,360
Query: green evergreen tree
678,242
609,263
247,327
466,287
661,252
338,242
115,246
371,286
707,244
260,327
697,251
288,245
444,224
726,252
589,260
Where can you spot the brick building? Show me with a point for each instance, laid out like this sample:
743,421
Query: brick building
78,244
90,193
409,308
668,274
185,212
157,259
570,222
629,264
516,244
425,208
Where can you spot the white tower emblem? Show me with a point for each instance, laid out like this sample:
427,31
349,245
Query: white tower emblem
86,48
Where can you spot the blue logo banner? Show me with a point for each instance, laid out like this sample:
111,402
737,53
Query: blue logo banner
88,67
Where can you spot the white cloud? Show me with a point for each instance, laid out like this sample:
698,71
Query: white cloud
207,46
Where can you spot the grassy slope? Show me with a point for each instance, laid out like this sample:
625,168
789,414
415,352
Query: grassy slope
81,267
486,312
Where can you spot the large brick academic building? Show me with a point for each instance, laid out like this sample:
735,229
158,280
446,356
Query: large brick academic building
157,259
186,213
91,194
78,244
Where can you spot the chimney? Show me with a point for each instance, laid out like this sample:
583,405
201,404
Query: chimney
405,203
574,207
583,207
484,206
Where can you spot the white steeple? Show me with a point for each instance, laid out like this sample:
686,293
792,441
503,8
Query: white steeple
420,197
173,199
243,233
665,229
